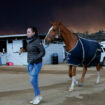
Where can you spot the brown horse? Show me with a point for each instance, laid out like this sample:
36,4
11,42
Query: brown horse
70,39
22,50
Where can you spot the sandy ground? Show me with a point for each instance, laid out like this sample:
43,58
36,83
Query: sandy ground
54,82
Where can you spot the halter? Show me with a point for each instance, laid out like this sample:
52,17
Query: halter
57,35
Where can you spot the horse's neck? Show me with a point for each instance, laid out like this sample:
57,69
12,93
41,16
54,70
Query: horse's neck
69,38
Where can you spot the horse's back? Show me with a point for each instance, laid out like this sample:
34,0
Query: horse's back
86,52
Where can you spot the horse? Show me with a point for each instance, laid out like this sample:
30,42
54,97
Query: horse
74,47
22,50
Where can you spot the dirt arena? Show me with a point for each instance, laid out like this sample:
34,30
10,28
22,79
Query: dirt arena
54,82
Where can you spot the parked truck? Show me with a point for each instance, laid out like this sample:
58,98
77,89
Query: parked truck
102,60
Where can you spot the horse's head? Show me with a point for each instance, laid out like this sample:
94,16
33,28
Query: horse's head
21,50
54,32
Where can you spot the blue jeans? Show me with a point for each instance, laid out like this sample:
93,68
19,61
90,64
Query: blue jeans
0,61
34,79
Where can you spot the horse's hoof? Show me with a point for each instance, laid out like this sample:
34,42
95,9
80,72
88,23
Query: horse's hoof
70,90
80,84
97,82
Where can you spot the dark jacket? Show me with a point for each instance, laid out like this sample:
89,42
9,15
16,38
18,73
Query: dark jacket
35,50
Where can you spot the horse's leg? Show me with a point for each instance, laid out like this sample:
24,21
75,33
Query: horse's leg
75,68
74,81
83,76
70,71
98,67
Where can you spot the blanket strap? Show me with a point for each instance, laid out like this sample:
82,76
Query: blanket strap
83,51
93,57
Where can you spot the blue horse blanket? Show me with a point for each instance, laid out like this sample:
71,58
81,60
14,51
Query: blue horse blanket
86,52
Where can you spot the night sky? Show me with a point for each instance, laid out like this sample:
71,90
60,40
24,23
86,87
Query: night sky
77,15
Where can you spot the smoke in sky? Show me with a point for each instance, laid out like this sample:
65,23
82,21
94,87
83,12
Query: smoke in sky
89,16
77,15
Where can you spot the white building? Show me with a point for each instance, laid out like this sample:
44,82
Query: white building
11,44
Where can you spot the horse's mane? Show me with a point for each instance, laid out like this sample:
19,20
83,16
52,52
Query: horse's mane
75,34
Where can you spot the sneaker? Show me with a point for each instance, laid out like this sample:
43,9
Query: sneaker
31,102
37,100
40,97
